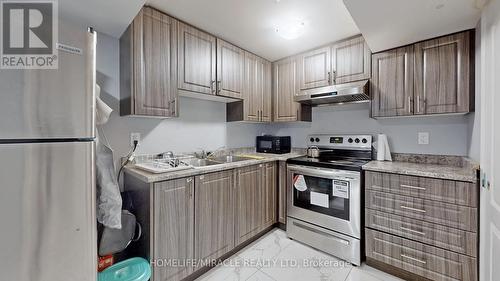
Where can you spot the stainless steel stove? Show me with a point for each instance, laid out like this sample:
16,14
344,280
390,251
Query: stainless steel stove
324,195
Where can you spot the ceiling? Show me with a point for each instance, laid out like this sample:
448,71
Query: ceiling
108,16
387,24
251,24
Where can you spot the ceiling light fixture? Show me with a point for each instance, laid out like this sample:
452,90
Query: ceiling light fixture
291,30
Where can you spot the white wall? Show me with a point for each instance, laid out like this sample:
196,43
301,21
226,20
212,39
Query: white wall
202,123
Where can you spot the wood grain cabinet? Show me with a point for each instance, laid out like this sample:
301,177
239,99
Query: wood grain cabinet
392,83
230,67
173,237
418,227
148,63
214,215
256,103
351,61
314,68
430,77
285,87
255,200
197,60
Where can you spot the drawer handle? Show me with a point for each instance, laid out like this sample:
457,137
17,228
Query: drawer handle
340,240
413,209
413,187
411,230
413,259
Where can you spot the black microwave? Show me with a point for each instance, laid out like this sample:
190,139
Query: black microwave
274,144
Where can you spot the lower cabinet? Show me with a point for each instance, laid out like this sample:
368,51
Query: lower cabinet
173,227
255,200
214,215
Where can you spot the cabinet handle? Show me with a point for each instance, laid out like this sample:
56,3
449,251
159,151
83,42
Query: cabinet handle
413,259
202,177
335,77
413,209
409,104
212,84
329,78
219,83
413,187
189,180
418,104
411,230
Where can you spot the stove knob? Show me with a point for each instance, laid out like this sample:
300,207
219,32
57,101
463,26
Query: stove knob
350,140
311,139
364,141
317,139
356,140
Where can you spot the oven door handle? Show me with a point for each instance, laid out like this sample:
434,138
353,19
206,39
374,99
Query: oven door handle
325,173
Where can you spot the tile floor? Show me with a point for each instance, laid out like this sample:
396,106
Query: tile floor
275,257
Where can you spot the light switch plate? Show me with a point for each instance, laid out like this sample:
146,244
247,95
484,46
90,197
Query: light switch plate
423,138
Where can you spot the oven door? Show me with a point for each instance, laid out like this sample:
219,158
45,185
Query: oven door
326,197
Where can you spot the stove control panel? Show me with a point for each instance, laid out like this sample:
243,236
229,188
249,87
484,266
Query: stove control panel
363,142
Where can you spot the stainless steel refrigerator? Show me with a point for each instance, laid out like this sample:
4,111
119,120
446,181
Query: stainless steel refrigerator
47,193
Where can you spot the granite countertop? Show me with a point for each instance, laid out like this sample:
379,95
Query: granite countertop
466,172
151,177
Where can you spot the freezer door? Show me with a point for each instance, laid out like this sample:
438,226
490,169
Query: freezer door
47,212
52,103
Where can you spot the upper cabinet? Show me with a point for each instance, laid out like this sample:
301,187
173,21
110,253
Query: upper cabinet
341,62
197,60
430,77
230,64
443,75
314,69
392,83
351,61
256,103
285,87
148,63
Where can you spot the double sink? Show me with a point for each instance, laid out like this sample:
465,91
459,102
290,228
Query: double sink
202,162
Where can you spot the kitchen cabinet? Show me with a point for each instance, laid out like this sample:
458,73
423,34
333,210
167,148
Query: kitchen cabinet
173,237
285,87
430,77
443,74
351,61
214,215
255,200
148,63
256,103
392,83
282,189
230,66
314,68
197,60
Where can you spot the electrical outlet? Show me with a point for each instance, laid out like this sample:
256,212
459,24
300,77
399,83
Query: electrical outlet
423,138
135,137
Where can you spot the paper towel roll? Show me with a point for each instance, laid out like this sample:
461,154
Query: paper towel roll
381,146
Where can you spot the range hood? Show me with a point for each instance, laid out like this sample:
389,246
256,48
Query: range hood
341,93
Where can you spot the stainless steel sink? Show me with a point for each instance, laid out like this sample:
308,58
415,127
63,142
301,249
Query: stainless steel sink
229,159
197,162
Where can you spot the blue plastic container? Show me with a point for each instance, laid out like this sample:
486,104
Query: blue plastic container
134,269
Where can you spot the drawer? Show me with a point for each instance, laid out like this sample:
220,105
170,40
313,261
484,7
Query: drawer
420,259
455,216
455,192
456,240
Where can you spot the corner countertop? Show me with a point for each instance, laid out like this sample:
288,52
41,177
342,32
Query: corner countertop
466,172
151,177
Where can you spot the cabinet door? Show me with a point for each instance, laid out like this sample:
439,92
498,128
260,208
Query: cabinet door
173,227
248,204
197,60
314,69
392,83
351,61
266,111
253,86
285,88
269,197
442,75
155,64
282,187
214,215
230,61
